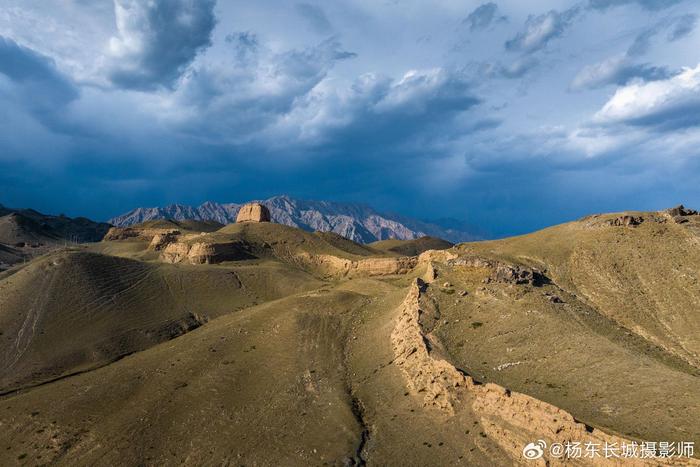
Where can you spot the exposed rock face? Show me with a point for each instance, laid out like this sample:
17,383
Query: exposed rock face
335,266
205,252
626,221
161,240
202,252
502,272
632,219
253,212
357,222
680,214
682,211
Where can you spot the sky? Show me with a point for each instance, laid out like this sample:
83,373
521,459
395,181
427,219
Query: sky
507,115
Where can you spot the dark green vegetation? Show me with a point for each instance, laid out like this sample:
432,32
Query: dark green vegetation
109,355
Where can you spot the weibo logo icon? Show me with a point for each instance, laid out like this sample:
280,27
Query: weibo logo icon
533,451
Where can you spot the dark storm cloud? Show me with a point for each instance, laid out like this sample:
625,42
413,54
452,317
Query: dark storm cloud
236,100
157,40
385,123
36,72
315,17
37,86
483,16
540,30
403,125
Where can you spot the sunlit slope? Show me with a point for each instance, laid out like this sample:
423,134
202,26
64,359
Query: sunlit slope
645,277
314,379
542,341
305,380
266,386
459,357
73,310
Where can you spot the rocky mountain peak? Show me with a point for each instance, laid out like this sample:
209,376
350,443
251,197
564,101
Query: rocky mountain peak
358,222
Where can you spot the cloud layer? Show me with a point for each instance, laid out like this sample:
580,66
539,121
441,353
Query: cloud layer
665,104
506,114
157,40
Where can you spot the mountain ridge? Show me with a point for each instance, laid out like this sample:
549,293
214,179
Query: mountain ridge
47,227
357,221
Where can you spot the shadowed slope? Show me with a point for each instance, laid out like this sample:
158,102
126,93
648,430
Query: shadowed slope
18,229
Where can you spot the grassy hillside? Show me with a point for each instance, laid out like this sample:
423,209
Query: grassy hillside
644,277
72,310
586,331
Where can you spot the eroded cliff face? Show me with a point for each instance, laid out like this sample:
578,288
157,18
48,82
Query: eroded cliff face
341,267
510,419
205,252
328,265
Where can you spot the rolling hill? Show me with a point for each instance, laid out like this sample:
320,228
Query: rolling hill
26,233
29,225
265,344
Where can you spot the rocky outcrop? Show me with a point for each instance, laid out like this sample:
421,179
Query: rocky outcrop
162,240
176,252
680,214
200,252
631,219
626,221
253,212
510,419
341,267
681,211
502,272
205,252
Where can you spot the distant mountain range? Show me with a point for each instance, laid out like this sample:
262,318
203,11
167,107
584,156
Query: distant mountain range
357,222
